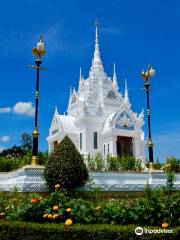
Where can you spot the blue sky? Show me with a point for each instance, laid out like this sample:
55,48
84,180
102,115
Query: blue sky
131,33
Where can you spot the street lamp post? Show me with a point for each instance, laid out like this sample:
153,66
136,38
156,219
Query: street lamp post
150,72
38,52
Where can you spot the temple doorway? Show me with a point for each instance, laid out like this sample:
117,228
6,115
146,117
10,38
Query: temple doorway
124,146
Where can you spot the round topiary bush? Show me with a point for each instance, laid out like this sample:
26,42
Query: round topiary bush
65,165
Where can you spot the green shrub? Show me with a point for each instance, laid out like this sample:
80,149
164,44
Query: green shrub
174,164
99,162
127,163
113,163
90,163
33,231
10,163
157,164
65,165
43,157
138,165
13,152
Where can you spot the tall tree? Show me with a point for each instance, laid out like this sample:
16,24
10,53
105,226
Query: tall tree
26,141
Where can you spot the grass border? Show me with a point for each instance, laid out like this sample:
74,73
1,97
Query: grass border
18,230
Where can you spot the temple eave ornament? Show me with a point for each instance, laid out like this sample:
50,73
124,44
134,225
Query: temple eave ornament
125,121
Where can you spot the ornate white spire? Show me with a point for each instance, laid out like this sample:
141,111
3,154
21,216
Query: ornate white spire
96,63
126,91
56,110
70,91
80,74
115,83
96,52
80,79
70,98
126,97
74,90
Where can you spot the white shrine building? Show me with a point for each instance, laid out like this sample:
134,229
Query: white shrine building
99,117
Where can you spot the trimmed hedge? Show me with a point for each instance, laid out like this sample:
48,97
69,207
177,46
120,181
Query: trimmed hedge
65,165
35,231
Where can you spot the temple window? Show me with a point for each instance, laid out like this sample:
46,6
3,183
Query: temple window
95,140
81,141
111,94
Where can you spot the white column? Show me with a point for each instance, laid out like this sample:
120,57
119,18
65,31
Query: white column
114,146
139,148
51,147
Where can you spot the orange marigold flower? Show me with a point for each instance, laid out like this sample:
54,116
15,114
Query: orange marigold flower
35,200
50,216
165,225
68,222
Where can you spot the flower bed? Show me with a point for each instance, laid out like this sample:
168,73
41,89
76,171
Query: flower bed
152,209
60,213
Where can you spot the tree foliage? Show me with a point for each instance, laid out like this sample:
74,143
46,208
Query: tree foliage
19,151
174,164
14,151
26,141
65,165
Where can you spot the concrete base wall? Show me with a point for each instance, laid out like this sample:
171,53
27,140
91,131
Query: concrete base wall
30,179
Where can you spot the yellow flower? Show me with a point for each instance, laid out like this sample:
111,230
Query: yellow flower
45,215
55,208
68,222
98,208
68,210
55,216
7,208
165,225
50,216
57,186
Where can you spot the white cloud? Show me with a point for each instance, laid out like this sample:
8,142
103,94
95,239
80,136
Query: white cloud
5,110
1,148
24,108
54,37
21,108
4,139
113,30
